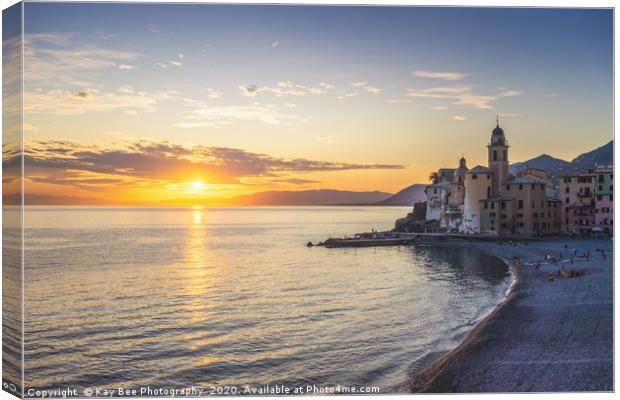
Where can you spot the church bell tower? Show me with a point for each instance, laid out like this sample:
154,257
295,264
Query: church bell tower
498,158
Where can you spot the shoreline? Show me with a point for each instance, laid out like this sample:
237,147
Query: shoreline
511,350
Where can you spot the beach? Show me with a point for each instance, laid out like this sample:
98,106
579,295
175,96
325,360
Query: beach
547,336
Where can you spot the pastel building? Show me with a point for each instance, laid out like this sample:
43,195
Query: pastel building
578,211
604,199
489,200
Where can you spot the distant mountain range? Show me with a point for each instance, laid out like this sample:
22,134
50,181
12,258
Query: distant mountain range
322,197
557,167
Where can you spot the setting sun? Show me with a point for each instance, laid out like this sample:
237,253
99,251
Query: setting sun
198,185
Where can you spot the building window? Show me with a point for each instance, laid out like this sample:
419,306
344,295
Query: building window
494,155
488,191
566,200
520,204
507,187
503,205
488,176
486,205
567,190
435,190
492,206
505,156
600,188
601,179
520,187
474,176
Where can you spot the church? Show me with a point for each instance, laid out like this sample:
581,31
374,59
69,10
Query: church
490,200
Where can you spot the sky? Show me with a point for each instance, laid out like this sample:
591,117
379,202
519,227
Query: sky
155,102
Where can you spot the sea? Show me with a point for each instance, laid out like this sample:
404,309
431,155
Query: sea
231,299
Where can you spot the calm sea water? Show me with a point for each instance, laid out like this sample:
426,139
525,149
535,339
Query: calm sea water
175,297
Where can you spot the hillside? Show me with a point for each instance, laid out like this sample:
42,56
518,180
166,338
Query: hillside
557,167
405,197
544,161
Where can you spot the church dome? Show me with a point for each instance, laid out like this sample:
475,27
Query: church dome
462,169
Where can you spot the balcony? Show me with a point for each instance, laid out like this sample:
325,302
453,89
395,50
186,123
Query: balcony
584,195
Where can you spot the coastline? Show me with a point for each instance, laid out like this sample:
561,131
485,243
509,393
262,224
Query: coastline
544,336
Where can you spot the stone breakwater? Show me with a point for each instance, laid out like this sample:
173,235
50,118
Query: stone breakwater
552,334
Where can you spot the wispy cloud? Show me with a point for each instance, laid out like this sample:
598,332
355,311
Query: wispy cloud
213,94
510,93
372,89
294,181
443,75
175,63
221,116
549,95
275,44
398,101
286,88
61,102
325,139
60,60
459,117
348,94
461,95
126,66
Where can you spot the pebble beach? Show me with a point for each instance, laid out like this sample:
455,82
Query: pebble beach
551,334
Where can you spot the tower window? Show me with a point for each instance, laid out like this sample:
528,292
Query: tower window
488,191
494,155
505,158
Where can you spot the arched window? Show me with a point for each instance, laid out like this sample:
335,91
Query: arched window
505,157
488,191
494,155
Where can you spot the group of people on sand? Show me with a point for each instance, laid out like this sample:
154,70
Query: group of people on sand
562,272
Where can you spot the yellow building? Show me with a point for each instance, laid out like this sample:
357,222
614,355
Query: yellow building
490,200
